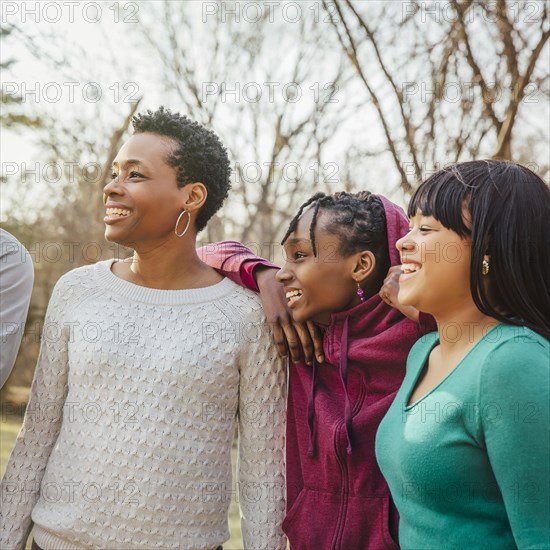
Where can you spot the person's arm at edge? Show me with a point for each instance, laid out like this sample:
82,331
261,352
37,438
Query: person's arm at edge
235,261
16,278
261,452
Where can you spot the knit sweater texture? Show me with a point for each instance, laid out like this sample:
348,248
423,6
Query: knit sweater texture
126,442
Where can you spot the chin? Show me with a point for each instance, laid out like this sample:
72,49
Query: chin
321,318
406,300
113,239
299,317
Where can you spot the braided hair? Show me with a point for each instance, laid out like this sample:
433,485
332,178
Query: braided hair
358,219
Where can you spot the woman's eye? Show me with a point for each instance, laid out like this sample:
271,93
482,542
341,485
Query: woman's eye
299,255
135,175
422,229
114,175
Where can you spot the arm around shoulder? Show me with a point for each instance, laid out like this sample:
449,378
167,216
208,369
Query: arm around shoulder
234,260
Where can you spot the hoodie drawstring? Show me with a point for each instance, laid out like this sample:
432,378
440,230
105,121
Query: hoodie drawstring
344,345
344,378
311,451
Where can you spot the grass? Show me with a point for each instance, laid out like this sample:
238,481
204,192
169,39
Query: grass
9,428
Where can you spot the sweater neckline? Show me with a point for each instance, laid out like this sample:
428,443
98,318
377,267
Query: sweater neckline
424,365
156,296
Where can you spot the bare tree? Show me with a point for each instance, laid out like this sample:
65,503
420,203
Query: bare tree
447,80
66,231
12,114
278,123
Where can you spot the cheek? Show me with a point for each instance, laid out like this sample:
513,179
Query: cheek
327,274
159,212
455,262
334,288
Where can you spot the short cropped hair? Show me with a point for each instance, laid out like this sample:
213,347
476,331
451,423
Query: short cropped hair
199,156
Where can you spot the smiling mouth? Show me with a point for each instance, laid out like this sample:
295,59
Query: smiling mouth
409,268
293,296
119,212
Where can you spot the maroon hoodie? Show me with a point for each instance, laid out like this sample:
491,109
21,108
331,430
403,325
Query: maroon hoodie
336,495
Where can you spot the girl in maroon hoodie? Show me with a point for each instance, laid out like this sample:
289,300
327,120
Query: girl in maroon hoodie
338,252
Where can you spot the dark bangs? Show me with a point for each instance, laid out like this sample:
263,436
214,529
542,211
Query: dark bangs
509,209
440,197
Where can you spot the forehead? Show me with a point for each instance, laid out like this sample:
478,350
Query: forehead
466,216
147,148
304,224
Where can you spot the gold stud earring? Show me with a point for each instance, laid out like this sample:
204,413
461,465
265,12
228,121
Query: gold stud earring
485,267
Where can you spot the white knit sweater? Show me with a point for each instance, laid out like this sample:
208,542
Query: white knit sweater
126,442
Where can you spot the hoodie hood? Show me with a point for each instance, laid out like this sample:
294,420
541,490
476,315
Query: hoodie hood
346,340
373,316
397,224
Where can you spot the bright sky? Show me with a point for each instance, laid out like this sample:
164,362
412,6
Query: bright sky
104,36
107,33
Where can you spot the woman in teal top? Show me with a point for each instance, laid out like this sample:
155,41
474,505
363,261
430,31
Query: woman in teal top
465,447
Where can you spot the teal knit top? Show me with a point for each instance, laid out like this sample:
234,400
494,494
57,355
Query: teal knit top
468,464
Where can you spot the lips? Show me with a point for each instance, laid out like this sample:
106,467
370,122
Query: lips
115,212
409,270
293,295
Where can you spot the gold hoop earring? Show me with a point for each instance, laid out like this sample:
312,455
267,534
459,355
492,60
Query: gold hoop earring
485,267
178,221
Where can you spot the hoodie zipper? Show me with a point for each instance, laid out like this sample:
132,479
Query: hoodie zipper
341,458
342,512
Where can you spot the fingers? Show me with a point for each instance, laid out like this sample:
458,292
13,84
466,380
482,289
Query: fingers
393,274
305,340
279,339
317,337
292,341
390,288
385,296
386,290
301,341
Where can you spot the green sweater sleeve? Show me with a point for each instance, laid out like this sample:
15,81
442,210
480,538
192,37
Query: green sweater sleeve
515,418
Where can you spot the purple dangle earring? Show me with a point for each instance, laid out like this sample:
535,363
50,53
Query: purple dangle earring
360,293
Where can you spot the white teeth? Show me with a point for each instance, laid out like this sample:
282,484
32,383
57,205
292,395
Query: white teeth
293,294
117,212
409,268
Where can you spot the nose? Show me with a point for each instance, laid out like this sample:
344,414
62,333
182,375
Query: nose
399,243
283,275
405,245
112,187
